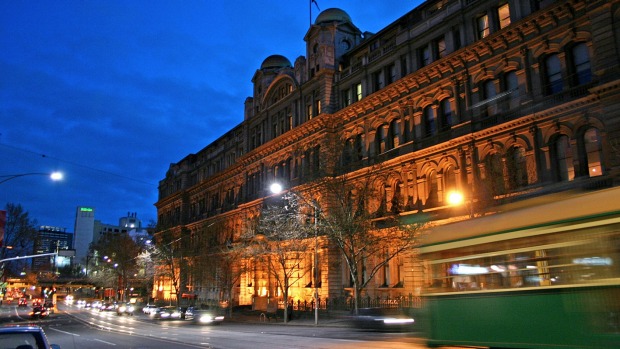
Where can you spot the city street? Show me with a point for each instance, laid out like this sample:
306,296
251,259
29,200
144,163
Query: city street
73,328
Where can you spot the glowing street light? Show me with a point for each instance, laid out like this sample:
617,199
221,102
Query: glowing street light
455,198
55,176
276,188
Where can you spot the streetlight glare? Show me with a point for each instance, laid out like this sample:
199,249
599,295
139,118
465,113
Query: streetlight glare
56,176
276,188
455,198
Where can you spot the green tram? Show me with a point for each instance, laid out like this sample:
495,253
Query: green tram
543,275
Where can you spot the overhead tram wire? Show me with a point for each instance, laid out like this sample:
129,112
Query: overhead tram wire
77,164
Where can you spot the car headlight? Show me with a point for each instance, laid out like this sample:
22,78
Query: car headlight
206,318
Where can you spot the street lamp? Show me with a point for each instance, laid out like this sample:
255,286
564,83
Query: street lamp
276,188
457,198
55,176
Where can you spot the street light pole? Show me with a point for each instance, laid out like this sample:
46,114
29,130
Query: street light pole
55,176
316,266
276,188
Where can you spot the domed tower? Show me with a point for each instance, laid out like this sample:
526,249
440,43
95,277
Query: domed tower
332,34
271,67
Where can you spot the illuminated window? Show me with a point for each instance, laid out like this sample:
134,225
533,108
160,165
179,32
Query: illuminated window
503,14
592,150
482,26
562,159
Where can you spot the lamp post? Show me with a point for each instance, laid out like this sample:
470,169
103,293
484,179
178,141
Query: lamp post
55,176
276,188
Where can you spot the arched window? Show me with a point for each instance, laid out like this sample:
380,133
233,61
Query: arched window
432,190
580,69
394,135
429,121
449,180
516,167
553,75
494,174
348,151
359,147
511,86
591,153
562,159
488,93
445,110
382,135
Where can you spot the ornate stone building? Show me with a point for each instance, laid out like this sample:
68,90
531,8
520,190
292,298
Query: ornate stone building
500,100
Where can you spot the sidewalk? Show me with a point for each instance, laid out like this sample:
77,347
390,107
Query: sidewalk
331,319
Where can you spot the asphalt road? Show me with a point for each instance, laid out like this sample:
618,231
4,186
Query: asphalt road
76,328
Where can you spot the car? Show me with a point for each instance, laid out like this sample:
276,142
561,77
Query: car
80,303
107,307
387,319
95,304
206,317
125,309
22,302
167,313
39,312
25,337
149,309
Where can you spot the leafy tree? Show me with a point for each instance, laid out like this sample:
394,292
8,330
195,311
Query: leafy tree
19,237
122,252
352,204
352,217
168,256
280,244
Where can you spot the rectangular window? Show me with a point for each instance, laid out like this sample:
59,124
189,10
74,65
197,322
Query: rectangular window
377,79
456,38
425,56
390,74
308,111
482,26
358,91
440,47
403,66
503,14
347,97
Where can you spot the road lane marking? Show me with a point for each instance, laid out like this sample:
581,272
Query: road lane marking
65,332
102,341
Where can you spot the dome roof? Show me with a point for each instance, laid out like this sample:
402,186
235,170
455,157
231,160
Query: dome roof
332,15
275,61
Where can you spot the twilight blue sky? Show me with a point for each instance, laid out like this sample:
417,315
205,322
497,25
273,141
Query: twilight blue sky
112,92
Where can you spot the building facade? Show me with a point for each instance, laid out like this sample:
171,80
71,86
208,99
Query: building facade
52,239
499,100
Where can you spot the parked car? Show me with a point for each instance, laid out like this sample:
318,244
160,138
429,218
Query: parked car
167,313
39,312
383,319
206,317
24,337
125,309
149,309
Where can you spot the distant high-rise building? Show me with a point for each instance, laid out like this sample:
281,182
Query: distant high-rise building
52,239
84,231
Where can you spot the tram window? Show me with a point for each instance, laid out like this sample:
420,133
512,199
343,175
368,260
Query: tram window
561,263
